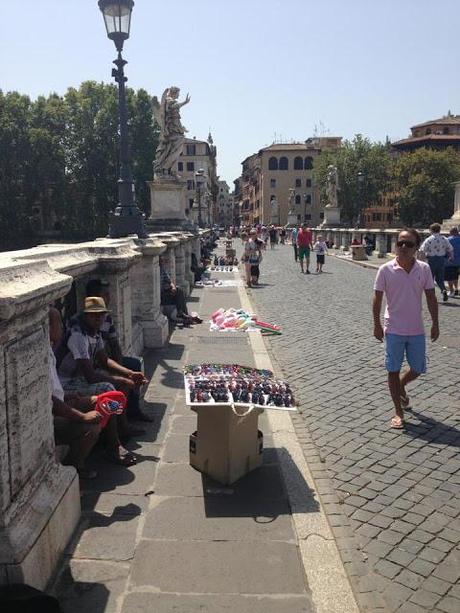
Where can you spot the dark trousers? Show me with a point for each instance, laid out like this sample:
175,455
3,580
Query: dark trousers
133,407
176,298
295,251
437,265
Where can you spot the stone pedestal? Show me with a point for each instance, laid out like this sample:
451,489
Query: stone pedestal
39,499
331,217
167,200
447,224
146,295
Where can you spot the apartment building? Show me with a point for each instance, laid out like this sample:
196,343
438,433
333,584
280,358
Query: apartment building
271,174
199,155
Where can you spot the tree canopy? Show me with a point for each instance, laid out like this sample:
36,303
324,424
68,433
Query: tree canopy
59,161
422,182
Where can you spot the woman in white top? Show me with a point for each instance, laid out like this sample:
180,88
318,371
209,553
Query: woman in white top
252,255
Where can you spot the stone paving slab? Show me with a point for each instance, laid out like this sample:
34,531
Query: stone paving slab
245,519
392,497
237,567
140,602
106,538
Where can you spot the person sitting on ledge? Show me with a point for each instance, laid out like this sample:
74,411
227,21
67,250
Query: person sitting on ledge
171,294
76,422
98,287
84,366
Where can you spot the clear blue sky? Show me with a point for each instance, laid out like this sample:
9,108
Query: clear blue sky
254,68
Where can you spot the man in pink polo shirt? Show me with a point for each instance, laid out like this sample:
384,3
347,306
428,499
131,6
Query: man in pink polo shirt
403,281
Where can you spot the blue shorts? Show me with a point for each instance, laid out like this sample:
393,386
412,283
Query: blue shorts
396,345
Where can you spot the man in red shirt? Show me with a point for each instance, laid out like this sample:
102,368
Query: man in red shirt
304,244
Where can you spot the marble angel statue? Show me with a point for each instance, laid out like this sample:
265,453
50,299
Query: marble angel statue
172,132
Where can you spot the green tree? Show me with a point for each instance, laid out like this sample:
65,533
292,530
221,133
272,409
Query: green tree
144,135
356,159
424,181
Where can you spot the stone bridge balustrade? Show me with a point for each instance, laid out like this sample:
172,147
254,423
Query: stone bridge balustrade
188,247
39,498
115,259
385,240
148,320
169,256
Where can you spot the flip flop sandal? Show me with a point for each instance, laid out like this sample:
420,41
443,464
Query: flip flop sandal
397,424
123,458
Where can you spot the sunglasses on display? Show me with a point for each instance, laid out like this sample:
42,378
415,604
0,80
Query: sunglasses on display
408,244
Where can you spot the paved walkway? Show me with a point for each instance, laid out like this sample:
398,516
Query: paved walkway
161,537
392,497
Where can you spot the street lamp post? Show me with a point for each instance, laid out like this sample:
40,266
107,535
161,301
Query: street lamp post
305,198
199,176
127,218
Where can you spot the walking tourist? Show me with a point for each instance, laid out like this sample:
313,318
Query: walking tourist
294,241
304,240
252,257
403,282
453,266
272,233
320,248
437,248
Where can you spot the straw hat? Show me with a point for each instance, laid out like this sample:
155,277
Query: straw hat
95,304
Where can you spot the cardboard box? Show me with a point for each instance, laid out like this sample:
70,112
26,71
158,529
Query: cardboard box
226,446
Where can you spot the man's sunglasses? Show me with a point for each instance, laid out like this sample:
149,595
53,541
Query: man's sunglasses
408,244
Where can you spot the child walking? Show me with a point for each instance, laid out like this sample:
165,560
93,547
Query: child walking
320,248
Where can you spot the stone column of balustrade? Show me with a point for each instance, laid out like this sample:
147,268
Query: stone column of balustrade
115,259
39,498
169,256
180,253
381,244
146,296
189,274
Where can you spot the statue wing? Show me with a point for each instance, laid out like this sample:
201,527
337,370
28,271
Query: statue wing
156,109
159,109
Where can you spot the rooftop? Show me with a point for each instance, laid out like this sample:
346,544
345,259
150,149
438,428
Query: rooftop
429,137
448,119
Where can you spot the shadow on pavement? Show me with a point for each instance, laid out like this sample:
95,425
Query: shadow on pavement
431,430
261,493
76,596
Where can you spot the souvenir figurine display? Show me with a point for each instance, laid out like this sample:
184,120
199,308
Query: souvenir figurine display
235,384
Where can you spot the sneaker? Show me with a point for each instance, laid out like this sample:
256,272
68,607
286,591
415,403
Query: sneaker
456,292
451,294
307,272
444,296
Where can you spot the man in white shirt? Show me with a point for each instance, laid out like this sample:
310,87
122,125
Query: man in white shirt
437,250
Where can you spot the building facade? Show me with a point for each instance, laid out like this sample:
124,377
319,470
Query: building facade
224,208
279,178
199,155
383,214
436,134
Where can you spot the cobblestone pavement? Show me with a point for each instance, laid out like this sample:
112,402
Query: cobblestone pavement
392,497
